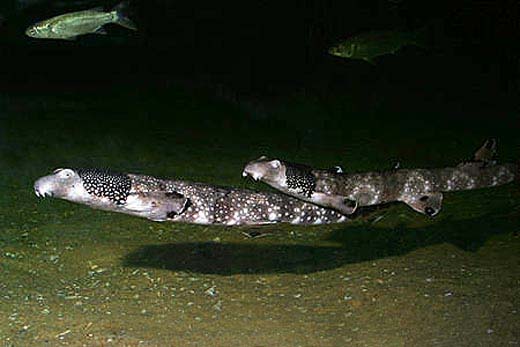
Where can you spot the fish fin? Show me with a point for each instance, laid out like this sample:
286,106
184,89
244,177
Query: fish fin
336,169
370,61
97,9
339,203
426,203
175,204
420,37
347,206
100,31
160,206
485,156
121,17
487,152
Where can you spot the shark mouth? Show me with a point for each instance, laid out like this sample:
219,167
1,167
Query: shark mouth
254,175
41,194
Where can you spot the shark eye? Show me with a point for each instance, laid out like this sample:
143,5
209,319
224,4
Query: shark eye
64,173
275,164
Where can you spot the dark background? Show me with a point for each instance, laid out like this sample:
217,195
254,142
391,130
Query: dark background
206,86
268,47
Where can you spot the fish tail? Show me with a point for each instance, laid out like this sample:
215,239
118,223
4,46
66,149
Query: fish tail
419,38
425,36
121,17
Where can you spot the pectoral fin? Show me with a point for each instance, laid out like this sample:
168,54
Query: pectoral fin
339,203
427,203
158,206
346,206
100,31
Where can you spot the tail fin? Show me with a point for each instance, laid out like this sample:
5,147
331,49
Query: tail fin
426,36
121,17
418,38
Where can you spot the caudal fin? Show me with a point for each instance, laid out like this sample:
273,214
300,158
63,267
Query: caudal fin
121,17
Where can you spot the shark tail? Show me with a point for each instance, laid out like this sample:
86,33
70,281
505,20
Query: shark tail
121,16
480,171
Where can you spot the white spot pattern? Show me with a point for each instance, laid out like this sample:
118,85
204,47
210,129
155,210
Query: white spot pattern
230,206
106,184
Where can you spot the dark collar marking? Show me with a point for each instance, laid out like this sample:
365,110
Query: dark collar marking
300,179
107,184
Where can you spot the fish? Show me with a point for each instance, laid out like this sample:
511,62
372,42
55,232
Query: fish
421,189
165,200
71,25
370,45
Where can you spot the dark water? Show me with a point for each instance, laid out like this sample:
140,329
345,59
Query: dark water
200,90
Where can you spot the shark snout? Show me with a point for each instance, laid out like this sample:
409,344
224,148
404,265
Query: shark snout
255,175
42,188
42,194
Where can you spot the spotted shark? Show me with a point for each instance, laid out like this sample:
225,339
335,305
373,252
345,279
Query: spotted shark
179,201
421,189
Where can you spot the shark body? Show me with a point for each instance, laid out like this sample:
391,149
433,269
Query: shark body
421,189
179,201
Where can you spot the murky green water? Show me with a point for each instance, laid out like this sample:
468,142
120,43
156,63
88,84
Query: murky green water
75,276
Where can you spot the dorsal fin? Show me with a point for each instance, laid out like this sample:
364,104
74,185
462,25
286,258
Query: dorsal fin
484,156
97,9
336,169
487,152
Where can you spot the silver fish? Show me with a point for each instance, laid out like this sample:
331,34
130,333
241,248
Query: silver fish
71,25
421,189
367,46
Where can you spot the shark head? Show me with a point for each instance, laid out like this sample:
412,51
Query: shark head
84,186
62,184
270,171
